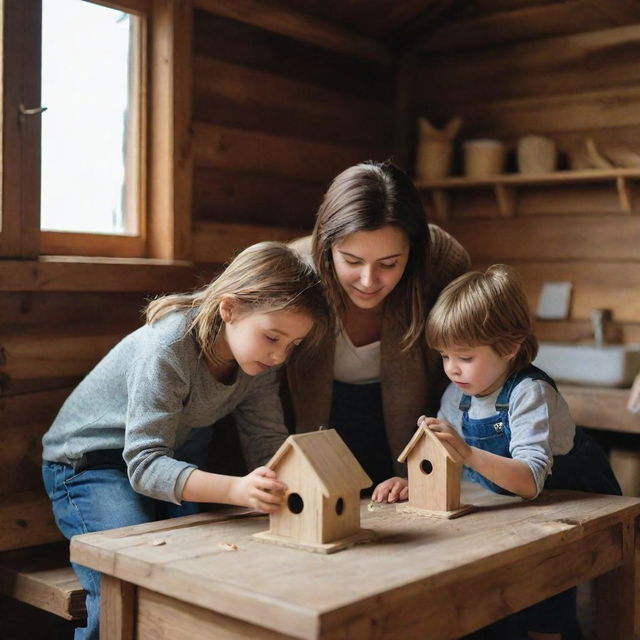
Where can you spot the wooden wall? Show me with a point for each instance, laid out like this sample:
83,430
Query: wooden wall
274,120
57,320
569,88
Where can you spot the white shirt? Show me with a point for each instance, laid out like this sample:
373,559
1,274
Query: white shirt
356,365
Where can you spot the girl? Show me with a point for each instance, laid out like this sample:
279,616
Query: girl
126,445
382,266
504,416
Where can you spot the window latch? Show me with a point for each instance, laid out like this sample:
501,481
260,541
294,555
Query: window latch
35,111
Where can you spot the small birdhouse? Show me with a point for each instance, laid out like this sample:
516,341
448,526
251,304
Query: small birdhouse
321,511
434,471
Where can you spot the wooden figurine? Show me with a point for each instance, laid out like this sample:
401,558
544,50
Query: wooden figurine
321,511
434,472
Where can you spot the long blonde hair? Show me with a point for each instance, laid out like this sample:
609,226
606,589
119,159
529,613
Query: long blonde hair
264,278
479,309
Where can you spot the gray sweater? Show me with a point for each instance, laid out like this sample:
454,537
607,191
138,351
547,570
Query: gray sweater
539,420
148,395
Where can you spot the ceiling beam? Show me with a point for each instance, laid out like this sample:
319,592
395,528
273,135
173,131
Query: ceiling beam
278,19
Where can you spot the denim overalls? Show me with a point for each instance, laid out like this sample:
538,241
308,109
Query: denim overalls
584,468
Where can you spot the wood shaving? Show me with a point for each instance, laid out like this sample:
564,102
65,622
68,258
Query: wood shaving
158,543
228,546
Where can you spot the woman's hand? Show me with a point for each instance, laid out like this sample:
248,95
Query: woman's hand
447,433
260,490
392,490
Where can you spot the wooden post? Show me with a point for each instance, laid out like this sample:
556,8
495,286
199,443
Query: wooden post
117,607
171,155
618,592
21,125
404,123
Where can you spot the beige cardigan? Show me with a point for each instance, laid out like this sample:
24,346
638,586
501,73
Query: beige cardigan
412,381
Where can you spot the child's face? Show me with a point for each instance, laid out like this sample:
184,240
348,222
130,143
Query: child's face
259,341
369,264
477,371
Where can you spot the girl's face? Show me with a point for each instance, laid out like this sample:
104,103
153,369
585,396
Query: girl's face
259,341
369,264
477,371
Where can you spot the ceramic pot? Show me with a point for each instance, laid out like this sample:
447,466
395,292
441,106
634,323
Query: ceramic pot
536,154
483,158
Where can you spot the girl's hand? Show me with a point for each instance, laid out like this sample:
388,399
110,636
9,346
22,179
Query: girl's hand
392,490
446,432
260,490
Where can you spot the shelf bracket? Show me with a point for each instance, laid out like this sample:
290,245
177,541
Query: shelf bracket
440,200
626,194
506,200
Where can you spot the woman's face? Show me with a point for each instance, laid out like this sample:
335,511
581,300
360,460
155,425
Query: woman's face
369,264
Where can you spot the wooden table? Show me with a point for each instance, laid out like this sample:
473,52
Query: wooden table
422,578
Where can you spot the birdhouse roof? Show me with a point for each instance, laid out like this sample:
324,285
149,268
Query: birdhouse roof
326,453
424,432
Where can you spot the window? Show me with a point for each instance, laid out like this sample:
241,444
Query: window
88,93
90,86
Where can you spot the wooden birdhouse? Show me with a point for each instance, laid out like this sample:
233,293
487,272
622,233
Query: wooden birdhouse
321,511
434,472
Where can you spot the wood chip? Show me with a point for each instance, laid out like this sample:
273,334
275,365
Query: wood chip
229,546
158,542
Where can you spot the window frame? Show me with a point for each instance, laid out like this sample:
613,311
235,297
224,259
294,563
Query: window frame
163,134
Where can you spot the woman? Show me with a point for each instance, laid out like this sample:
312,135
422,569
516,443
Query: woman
383,267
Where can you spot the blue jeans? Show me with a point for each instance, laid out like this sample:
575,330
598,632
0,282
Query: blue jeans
95,499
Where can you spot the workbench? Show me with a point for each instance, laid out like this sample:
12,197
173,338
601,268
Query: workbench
205,576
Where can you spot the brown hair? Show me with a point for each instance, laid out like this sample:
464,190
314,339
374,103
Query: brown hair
264,278
487,308
367,197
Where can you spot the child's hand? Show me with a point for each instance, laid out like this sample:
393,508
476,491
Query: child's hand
260,490
446,432
391,490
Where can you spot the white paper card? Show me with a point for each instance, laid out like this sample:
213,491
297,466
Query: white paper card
554,301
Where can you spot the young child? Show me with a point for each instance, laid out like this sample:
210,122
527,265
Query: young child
126,445
503,415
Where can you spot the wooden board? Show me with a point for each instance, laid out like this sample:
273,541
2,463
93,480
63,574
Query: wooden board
96,274
42,577
239,197
420,571
363,536
253,151
26,519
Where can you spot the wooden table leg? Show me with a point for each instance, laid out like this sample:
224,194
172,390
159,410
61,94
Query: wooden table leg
117,607
617,593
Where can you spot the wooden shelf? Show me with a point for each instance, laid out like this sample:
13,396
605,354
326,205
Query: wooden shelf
600,408
505,187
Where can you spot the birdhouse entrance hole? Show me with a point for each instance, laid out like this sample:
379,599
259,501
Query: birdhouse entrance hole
339,506
426,467
295,503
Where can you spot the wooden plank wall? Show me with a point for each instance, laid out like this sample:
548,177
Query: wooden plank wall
275,119
568,88
57,320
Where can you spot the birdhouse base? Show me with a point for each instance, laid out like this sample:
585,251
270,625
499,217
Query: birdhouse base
455,513
362,536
